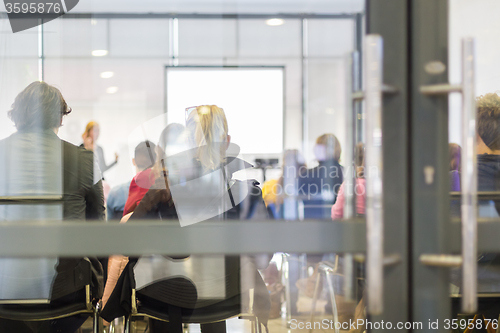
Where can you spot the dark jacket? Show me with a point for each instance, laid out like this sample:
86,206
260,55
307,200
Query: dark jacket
488,176
42,165
39,163
318,188
488,173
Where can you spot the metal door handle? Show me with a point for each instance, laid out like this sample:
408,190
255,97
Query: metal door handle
372,95
352,85
373,69
468,179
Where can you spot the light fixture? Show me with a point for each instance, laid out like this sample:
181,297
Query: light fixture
111,90
99,53
275,22
107,75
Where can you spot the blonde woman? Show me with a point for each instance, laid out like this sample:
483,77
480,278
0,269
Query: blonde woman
196,185
90,136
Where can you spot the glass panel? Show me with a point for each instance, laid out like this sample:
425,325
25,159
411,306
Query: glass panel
483,29
252,128
487,288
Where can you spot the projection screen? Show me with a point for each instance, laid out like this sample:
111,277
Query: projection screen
252,98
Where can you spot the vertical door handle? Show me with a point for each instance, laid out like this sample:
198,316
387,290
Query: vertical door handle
469,179
352,84
372,95
373,69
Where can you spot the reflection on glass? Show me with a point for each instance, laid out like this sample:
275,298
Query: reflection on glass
178,169
44,178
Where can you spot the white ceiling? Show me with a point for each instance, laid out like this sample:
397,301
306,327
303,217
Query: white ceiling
220,6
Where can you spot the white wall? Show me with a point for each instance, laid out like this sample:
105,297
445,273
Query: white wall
138,52
478,19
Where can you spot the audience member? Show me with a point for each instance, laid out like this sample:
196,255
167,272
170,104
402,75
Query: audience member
320,185
273,190
455,152
145,157
35,162
359,188
115,204
203,190
170,141
488,166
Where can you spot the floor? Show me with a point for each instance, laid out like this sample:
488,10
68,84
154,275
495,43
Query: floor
300,323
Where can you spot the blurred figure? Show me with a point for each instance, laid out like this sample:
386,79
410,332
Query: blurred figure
115,204
90,137
359,189
148,161
144,158
488,169
455,152
34,162
200,189
320,185
273,190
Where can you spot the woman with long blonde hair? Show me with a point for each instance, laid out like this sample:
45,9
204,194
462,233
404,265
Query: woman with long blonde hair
193,186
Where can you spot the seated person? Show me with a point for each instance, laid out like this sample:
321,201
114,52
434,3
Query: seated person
199,187
115,204
273,190
34,161
145,157
488,170
359,189
320,185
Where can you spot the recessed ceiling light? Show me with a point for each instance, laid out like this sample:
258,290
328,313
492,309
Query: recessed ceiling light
107,75
275,22
99,53
111,90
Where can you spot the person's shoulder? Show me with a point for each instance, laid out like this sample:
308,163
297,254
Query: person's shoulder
119,189
6,140
76,149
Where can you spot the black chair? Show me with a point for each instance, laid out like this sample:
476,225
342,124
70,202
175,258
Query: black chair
37,309
178,300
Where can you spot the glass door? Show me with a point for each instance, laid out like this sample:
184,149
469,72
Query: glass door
454,121
314,105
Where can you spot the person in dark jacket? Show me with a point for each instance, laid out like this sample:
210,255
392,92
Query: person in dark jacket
199,188
488,170
319,186
34,162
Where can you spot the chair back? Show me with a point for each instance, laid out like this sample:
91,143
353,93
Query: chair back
213,277
31,189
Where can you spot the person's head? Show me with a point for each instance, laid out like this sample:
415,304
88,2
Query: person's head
359,159
488,120
171,135
327,147
91,130
145,155
455,152
39,106
207,129
171,142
